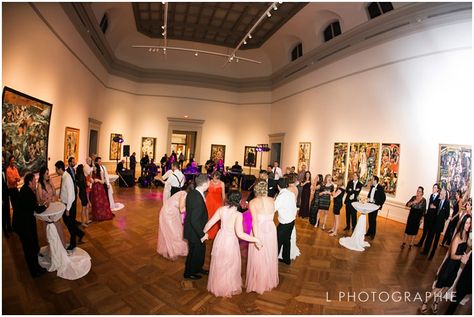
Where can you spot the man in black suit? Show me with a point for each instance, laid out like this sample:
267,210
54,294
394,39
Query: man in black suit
353,189
133,164
376,196
196,219
26,224
430,215
442,214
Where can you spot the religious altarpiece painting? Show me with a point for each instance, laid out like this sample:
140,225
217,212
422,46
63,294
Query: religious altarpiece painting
339,163
304,154
71,144
455,169
363,159
115,152
148,147
389,165
217,152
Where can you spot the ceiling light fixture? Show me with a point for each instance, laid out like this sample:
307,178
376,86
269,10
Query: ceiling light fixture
165,26
269,14
196,54
275,7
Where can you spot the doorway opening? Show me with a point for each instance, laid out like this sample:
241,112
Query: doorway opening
275,153
184,142
93,137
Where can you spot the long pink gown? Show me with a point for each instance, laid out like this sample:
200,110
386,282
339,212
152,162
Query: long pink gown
262,265
170,229
225,271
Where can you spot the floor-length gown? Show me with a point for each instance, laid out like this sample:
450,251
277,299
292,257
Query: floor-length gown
262,265
213,202
304,205
225,271
170,229
294,250
100,204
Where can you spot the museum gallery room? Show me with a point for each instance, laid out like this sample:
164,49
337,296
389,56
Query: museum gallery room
237,158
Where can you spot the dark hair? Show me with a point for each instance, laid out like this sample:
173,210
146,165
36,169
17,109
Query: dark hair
28,178
201,179
320,178
437,185
60,165
461,225
97,168
10,158
175,164
291,179
283,183
216,173
233,198
422,189
41,175
188,186
97,159
263,172
69,160
304,177
376,178
80,176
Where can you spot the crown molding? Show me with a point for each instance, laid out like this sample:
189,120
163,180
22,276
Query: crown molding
402,21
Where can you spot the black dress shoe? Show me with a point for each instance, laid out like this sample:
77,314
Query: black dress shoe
418,245
70,248
283,261
346,228
192,276
431,256
204,272
423,253
366,235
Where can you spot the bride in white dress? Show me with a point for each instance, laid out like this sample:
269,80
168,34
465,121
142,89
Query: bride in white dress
294,250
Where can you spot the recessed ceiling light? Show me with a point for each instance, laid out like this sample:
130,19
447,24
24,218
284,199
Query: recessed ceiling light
186,117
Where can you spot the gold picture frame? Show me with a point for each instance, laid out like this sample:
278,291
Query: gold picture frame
71,143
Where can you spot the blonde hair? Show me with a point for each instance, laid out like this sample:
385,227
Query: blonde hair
261,188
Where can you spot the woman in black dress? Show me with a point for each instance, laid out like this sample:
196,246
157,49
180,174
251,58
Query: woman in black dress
313,211
453,220
417,206
336,209
449,269
325,194
81,183
305,193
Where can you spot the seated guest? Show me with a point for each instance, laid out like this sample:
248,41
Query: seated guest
236,168
120,168
152,169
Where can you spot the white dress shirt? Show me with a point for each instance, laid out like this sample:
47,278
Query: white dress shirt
67,193
372,194
285,204
177,180
278,173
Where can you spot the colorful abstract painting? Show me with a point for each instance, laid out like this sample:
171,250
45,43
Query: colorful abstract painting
389,165
339,163
363,159
71,144
304,154
455,171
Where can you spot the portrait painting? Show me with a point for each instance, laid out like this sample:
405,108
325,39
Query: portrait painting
363,159
454,171
389,164
148,147
71,144
304,154
115,147
25,130
250,156
339,163
217,152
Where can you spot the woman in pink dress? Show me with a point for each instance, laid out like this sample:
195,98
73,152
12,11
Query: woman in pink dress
170,229
262,264
214,200
100,204
225,271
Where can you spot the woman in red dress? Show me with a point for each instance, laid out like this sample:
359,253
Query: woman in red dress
98,196
214,200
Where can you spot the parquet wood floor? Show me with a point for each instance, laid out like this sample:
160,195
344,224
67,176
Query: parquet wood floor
129,277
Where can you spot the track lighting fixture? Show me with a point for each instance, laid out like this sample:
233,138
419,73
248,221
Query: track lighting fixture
269,14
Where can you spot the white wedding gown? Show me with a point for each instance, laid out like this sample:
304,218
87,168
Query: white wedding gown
294,250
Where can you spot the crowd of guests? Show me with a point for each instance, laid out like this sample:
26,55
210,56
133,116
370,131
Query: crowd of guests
85,184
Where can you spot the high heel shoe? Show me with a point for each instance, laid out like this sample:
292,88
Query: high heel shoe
324,226
434,307
402,246
424,308
333,234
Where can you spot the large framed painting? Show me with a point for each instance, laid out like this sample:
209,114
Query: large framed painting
148,147
217,152
25,130
455,172
339,163
250,156
304,154
71,143
363,159
115,147
389,164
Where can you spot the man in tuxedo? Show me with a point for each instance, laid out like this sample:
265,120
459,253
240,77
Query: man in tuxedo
440,217
277,171
196,219
353,189
26,224
285,205
120,168
376,196
133,164
430,215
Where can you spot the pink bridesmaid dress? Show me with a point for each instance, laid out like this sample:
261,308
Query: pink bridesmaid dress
262,265
225,271
170,229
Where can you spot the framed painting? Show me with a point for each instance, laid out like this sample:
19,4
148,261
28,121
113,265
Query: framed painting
115,147
304,154
71,144
455,171
389,165
250,156
363,159
339,162
148,147
25,130
217,152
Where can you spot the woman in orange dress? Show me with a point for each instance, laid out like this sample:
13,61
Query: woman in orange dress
214,200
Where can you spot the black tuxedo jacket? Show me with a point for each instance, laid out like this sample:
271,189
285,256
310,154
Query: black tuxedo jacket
350,190
196,217
442,213
435,201
73,176
272,187
379,196
25,223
